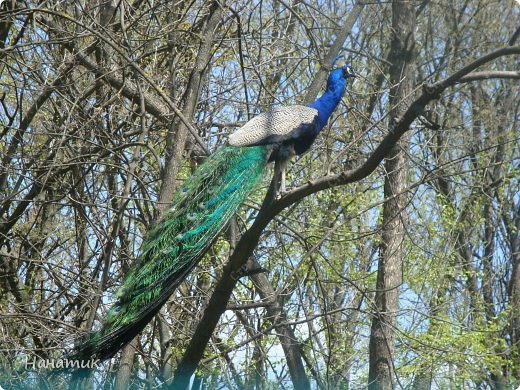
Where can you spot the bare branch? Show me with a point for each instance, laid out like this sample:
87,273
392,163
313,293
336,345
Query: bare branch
490,74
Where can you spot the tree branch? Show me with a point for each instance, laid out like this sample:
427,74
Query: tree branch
489,74
430,93
270,208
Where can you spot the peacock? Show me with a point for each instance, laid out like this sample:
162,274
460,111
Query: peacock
202,208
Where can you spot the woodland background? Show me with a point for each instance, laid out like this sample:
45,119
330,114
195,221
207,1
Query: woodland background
402,273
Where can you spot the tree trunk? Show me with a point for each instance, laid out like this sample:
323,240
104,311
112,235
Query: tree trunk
288,340
125,366
514,291
389,276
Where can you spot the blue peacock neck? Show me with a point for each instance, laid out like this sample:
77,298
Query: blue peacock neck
327,102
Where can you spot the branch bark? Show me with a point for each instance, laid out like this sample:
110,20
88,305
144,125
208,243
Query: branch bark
489,74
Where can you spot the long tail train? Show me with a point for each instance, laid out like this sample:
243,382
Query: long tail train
200,211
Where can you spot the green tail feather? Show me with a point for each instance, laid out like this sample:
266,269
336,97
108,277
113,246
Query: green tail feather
201,210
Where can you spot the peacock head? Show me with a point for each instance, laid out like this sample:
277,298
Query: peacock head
340,75
348,71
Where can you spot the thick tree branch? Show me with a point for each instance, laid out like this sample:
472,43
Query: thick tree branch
270,208
489,74
430,93
127,88
454,78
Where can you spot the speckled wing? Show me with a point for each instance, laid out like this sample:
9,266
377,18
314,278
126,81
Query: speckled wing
277,125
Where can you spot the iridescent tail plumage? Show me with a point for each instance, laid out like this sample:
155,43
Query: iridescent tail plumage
200,211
